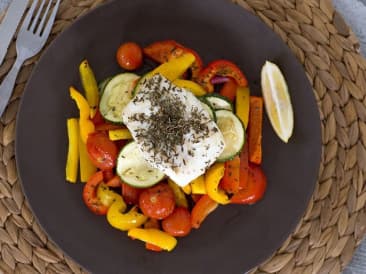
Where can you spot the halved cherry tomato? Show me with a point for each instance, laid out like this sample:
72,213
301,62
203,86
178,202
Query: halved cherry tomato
163,51
90,194
221,68
229,89
130,194
102,151
129,56
178,223
201,210
255,188
157,202
115,181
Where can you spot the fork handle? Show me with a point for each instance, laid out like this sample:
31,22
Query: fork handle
7,86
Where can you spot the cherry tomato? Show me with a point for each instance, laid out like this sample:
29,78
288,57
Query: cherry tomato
102,151
178,224
130,194
157,202
129,56
255,188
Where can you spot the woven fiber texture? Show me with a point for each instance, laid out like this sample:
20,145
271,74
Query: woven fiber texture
335,220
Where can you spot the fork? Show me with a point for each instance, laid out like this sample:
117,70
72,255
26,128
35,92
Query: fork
31,39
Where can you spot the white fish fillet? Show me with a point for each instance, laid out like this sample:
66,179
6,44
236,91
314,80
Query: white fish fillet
197,150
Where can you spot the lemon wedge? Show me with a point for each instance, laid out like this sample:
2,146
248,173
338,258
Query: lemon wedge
277,101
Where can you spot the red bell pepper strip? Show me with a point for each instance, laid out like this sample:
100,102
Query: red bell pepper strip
108,174
229,89
153,247
204,206
115,181
97,118
163,51
231,180
90,197
255,188
220,68
106,126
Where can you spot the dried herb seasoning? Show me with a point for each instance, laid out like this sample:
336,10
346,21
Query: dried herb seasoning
169,124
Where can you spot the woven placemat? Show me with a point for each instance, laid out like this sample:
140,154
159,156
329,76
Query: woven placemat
335,221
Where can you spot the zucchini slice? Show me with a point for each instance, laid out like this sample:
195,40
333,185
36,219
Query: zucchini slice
116,95
234,134
208,108
219,102
102,84
134,170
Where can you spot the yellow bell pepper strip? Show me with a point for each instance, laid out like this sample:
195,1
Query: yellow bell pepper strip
87,168
242,104
174,68
198,185
193,87
154,236
90,86
212,178
124,221
180,197
106,196
187,189
119,134
81,102
86,126
73,150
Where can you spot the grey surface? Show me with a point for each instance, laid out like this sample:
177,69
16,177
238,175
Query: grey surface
354,11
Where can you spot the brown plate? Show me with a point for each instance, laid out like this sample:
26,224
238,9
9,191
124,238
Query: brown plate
234,238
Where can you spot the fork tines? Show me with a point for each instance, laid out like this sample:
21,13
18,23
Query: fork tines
37,24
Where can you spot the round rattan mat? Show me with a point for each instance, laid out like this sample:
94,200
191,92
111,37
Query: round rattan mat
335,221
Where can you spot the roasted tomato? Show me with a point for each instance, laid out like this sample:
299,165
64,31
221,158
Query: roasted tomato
157,202
129,56
178,223
101,150
255,188
130,194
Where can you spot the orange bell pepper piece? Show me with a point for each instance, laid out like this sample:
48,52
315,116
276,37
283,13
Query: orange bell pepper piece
255,130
